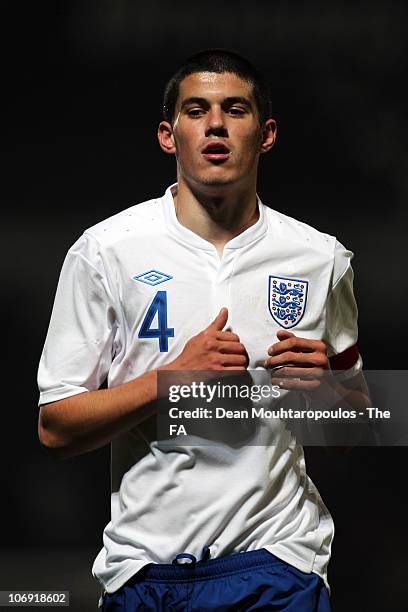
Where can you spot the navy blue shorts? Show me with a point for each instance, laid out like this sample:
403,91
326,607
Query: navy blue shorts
255,580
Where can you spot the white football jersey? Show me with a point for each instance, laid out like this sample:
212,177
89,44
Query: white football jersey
133,289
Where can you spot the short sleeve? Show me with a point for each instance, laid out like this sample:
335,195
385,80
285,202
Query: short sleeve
78,349
341,316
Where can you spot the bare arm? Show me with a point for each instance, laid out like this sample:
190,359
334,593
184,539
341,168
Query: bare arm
86,421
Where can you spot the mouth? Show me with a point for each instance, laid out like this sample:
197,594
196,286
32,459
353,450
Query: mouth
216,152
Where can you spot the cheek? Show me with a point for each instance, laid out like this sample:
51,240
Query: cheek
255,140
250,147
184,151
250,140
185,140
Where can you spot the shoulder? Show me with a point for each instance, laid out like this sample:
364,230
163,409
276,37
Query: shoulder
139,219
309,240
297,232
142,219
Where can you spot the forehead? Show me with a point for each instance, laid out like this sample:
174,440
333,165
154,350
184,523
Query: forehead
214,85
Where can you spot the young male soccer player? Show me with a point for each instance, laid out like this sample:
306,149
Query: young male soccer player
199,279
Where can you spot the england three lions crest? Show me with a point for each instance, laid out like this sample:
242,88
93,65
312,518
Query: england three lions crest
287,300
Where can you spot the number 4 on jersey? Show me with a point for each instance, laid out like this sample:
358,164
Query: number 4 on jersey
162,332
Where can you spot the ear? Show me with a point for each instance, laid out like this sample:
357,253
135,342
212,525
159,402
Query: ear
166,137
268,135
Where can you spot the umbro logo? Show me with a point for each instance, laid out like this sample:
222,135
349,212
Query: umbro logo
152,277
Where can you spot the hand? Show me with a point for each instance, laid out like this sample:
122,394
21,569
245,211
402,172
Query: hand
212,349
301,363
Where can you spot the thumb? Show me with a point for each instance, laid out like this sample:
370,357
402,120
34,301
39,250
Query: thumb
283,334
220,320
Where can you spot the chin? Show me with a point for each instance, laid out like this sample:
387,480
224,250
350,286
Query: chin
212,179
217,181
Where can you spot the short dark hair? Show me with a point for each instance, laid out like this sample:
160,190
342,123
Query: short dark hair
218,60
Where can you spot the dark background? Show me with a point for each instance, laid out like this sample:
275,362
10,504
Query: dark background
82,85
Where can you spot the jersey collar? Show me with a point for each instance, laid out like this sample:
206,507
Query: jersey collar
253,233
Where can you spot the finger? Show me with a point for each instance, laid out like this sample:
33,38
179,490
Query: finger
227,336
282,334
296,344
232,347
302,360
296,384
220,320
233,360
302,373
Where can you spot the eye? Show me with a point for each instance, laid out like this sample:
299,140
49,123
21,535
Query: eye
237,110
195,112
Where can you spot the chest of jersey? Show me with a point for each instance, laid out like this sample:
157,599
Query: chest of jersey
169,292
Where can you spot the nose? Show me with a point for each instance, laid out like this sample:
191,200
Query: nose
215,121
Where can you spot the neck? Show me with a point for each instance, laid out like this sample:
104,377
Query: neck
216,215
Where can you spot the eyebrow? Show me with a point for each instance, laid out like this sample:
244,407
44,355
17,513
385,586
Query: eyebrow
226,101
